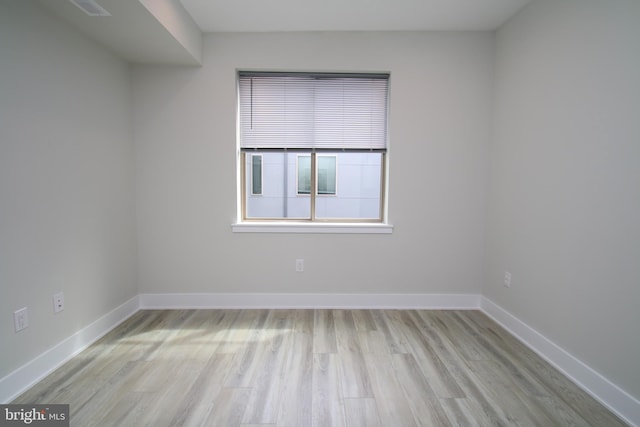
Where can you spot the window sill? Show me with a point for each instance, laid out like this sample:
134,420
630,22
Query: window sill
303,227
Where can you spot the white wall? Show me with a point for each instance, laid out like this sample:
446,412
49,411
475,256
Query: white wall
66,181
565,179
185,133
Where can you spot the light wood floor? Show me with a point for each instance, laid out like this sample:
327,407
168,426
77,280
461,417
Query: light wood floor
314,368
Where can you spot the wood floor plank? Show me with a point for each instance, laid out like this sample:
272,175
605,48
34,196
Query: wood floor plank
353,375
393,407
393,336
362,412
130,410
324,332
60,386
249,357
503,391
172,326
198,399
228,408
296,402
87,409
303,321
431,363
477,397
423,401
327,403
194,340
463,340
166,404
465,412
237,331
364,321
370,338
373,342
246,367
510,360
561,413
265,396
314,368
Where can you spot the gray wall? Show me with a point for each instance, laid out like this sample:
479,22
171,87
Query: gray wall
185,131
66,181
565,179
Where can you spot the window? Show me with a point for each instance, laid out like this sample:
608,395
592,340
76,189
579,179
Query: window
297,131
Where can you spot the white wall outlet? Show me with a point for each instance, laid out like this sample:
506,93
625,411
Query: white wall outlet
507,279
299,265
21,319
58,302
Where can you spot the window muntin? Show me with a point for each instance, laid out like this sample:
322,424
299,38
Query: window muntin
305,127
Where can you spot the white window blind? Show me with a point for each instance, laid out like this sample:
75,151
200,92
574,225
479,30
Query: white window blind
313,111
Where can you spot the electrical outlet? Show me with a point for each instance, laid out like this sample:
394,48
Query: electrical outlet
299,265
58,302
21,319
507,279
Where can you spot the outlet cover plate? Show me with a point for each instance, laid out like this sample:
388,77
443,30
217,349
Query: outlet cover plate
507,279
21,319
58,302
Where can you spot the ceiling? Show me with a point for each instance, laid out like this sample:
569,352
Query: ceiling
350,15
170,31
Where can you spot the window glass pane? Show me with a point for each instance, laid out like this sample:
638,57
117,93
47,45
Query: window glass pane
326,177
256,174
304,174
359,184
279,198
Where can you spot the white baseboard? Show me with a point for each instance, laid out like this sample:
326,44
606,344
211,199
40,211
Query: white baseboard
610,395
14,384
354,301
